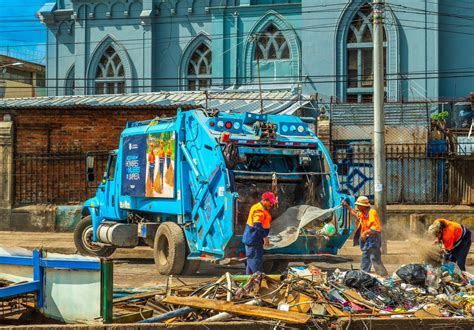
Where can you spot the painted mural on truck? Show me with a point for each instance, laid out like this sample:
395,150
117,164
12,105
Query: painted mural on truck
160,165
148,162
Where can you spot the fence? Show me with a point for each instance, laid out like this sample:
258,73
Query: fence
54,178
415,173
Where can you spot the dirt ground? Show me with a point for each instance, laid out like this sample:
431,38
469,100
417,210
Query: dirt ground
134,268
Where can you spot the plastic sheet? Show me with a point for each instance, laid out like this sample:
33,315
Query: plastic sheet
286,228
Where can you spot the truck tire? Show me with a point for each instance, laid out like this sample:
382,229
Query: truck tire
169,249
83,240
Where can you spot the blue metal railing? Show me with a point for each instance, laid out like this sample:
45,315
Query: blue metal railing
39,264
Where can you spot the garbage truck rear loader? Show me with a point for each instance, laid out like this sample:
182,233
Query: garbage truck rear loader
184,186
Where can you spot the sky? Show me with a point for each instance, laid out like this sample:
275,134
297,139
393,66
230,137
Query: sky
21,33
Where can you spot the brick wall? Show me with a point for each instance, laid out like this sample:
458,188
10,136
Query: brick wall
50,149
74,131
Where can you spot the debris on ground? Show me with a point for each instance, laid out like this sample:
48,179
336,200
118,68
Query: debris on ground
306,294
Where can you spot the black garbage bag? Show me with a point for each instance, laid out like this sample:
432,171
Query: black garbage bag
359,279
414,274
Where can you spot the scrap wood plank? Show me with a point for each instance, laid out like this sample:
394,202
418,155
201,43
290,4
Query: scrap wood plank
239,309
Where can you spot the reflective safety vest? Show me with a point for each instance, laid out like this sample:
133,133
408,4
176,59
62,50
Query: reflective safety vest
258,213
151,157
369,221
452,234
258,225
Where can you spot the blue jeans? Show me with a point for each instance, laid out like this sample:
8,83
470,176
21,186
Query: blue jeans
372,256
460,252
254,255
162,167
151,172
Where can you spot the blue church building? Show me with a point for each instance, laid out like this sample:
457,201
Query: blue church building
310,46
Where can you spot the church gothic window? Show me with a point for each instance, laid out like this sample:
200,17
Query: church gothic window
360,57
110,73
271,45
70,83
199,69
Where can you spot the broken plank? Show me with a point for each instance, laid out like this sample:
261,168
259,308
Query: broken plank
239,309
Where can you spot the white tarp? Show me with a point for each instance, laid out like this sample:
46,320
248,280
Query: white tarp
286,228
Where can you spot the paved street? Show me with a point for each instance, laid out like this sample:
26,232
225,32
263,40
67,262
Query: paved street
134,268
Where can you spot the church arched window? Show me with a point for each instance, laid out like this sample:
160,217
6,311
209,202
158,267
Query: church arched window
110,73
70,84
360,73
199,69
271,44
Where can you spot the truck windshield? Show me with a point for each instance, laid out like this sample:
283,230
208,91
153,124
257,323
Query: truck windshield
111,167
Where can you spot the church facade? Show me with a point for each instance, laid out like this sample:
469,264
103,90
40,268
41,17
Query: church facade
321,47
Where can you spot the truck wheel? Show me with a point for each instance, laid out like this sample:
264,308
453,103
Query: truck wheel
83,240
169,249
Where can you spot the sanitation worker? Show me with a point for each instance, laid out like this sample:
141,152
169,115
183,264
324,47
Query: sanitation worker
455,238
368,235
256,232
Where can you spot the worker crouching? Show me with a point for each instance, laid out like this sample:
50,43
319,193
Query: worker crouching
455,238
368,235
256,232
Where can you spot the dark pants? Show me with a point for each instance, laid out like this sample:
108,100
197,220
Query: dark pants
460,252
151,173
162,168
254,255
372,256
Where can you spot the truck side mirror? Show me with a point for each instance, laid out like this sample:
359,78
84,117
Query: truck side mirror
90,168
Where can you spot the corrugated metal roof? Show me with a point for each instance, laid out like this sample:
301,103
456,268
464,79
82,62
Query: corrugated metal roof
231,100
396,114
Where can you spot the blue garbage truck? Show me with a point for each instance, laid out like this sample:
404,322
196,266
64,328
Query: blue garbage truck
184,186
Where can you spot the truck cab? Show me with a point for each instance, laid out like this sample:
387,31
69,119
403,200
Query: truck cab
184,186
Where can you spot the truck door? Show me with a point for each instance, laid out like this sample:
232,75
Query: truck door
109,186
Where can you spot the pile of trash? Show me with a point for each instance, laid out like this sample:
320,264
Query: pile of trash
305,294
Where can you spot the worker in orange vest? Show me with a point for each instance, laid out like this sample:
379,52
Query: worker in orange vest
455,238
368,235
256,232
151,163
162,159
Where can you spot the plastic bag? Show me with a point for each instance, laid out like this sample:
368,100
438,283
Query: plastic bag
359,279
414,274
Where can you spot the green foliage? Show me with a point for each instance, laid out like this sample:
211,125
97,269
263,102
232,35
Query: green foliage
440,116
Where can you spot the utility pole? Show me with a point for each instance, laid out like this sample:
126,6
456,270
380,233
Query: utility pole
379,117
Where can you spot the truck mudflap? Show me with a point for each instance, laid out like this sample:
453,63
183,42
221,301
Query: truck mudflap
328,258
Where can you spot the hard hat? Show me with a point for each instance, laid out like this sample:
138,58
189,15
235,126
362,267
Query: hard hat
362,201
435,228
269,196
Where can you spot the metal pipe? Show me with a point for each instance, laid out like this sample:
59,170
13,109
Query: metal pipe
107,290
169,315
